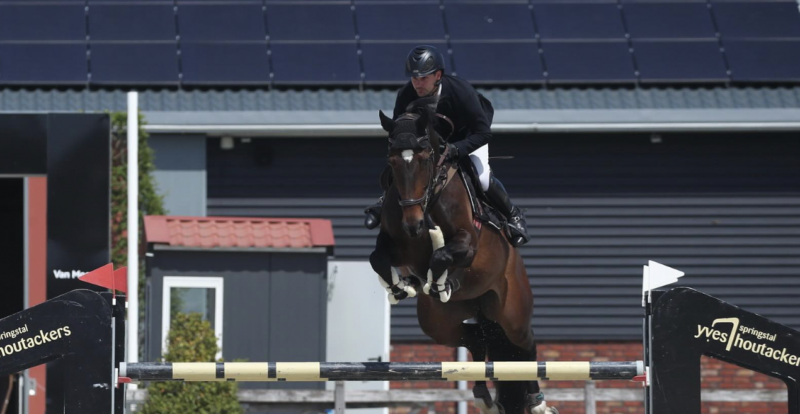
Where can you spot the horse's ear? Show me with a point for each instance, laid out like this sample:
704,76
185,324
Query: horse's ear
386,122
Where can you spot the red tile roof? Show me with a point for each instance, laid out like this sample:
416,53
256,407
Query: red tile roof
238,232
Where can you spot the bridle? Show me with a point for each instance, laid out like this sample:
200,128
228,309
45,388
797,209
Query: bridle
437,172
422,201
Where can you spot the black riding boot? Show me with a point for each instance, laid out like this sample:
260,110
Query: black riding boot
373,214
516,219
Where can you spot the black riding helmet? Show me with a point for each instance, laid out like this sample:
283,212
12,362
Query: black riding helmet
424,60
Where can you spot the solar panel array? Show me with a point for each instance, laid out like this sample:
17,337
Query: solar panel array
329,42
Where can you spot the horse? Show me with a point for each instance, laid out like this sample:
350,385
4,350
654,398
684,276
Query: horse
468,272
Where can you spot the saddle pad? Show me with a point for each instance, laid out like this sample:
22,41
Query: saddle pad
481,210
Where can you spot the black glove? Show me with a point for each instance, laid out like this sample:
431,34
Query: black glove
452,153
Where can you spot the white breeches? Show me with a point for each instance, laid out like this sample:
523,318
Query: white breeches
480,159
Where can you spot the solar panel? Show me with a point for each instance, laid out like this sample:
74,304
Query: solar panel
489,21
407,2
498,62
763,60
310,22
384,63
215,22
132,22
668,20
47,64
93,2
577,62
578,20
315,63
680,61
224,63
394,22
134,63
757,19
43,22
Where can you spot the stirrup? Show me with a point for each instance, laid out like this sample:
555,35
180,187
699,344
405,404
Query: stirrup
372,214
517,228
516,236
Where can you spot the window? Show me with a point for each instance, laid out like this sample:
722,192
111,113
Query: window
192,294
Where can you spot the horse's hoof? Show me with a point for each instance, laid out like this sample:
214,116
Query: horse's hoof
427,288
542,409
483,400
410,290
393,300
537,405
494,409
444,296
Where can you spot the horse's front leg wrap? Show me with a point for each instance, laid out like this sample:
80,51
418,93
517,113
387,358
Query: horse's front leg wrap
457,252
396,287
402,284
399,283
437,241
392,300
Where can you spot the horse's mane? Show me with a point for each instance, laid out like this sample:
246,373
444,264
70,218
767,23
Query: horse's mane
427,106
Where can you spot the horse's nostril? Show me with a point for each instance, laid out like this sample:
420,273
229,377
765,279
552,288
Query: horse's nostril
413,230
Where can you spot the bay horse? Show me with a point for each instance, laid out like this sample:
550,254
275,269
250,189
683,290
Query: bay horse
467,271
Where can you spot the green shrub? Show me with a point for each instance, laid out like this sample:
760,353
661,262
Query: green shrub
191,339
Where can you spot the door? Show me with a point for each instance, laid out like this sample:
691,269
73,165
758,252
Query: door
358,321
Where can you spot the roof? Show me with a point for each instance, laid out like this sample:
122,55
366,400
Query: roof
230,100
234,233
354,113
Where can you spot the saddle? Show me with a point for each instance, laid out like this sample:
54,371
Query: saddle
482,209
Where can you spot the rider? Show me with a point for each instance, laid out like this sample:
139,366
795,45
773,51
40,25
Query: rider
459,102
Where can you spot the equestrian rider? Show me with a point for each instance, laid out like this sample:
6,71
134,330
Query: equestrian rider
460,102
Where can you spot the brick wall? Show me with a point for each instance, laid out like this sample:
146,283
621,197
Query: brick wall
424,353
715,374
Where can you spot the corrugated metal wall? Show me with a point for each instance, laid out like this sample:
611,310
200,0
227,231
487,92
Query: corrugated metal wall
724,208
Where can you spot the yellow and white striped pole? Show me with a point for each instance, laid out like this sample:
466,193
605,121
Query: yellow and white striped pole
381,371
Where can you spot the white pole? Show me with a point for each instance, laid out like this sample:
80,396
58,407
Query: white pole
589,397
133,228
462,385
339,402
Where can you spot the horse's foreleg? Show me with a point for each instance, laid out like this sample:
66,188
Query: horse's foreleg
457,252
381,260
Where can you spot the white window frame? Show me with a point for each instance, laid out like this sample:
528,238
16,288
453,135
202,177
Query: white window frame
170,282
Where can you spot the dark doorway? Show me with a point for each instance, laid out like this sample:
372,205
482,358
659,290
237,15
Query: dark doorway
13,277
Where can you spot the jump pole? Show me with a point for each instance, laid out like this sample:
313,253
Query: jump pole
381,371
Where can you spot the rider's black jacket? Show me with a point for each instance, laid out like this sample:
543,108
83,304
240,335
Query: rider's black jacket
459,102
